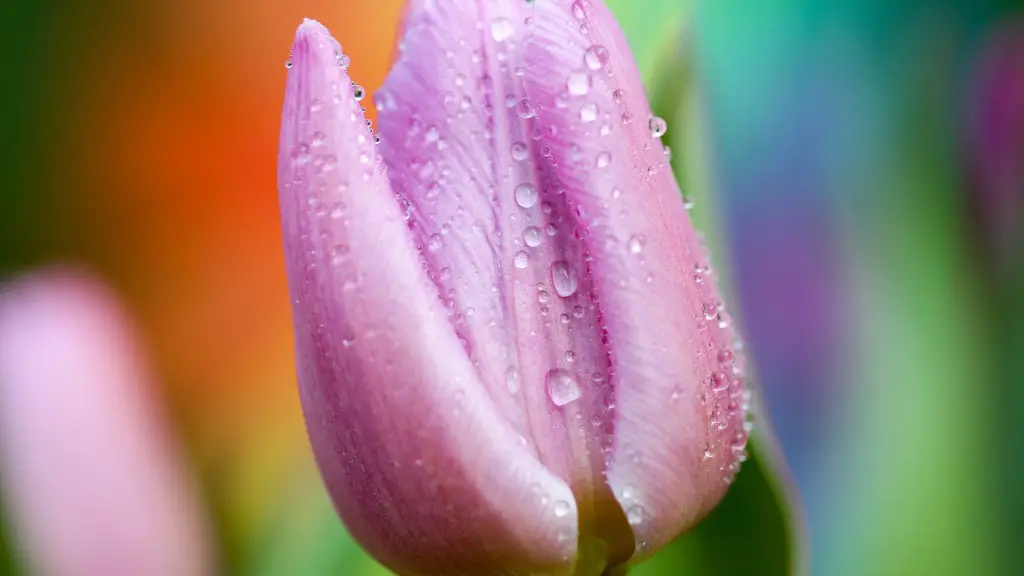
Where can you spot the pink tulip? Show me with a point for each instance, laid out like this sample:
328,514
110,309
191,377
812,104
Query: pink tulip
511,354
93,479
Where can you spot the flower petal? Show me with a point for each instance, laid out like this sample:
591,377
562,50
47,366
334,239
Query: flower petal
94,482
499,239
423,468
679,415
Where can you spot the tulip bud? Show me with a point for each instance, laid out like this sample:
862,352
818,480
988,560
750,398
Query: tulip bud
511,353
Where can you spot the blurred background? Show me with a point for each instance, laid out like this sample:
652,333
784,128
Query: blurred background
858,168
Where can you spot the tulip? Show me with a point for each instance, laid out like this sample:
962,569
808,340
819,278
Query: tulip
92,477
511,355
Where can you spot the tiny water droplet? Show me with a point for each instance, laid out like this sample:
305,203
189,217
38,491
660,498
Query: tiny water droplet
532,236
588,112
521,259
562,387
501,29
578,83
512,379
561,508
358,92
636,243
519,151
635,515
603,160
658,126
595,57
525,108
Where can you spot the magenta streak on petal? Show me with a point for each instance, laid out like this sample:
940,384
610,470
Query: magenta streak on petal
679,419
416,453
495,232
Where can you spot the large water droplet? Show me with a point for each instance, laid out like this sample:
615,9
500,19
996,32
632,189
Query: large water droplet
525,195
578,83
501,29
564,279
562,387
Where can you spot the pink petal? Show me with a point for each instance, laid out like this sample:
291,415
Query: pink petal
676,439
422,466
94,482
499,240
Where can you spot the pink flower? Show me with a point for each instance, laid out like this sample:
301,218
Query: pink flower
512,357
92,477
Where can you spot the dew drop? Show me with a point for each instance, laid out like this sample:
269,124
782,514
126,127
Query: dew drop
658,126
603,160
525,195
636,243
588,112
525,108
635,515
502,29
578,83
512,379
521,259
532,236
562,387
358,92
564,279
595,57
561,508
519,151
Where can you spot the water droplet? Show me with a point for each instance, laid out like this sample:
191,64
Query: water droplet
512,379
658,126
595,57
521,259
636,243
344,61
561,508
577,10
687,203
564,279
562,387
525,108
578,83
588,112
551,229
435,242
358,92
288,63
525,195
719,382
577,312
627,118
570,356
519,151
603,160
532,236
502,29
635,515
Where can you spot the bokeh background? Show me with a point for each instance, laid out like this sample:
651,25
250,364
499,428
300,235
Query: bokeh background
858,168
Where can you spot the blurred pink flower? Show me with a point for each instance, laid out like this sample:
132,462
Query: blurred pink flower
93,480
511,353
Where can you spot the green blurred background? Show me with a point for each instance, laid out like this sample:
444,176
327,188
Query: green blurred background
858,168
